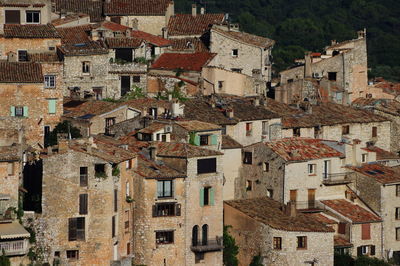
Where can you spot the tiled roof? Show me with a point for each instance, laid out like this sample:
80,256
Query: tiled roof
150,38
230,143
186,44
391,107
92,8
43,57
187,24
113,26
301,149
341,242
114,43
20,72
67,19
151,169
247,38
74,35
381,173
330,114
281,108
30,31
188,62
199,109
321,218
354,212
269,212
382,154
145,103
9,153
136,7
87,109
245,110
183,150
195,125
89,48
154,127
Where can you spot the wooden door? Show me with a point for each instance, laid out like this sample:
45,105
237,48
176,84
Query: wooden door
311,198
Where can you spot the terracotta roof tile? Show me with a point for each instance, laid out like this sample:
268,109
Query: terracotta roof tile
87,109
92,8
269,212
381,173
187,24
146,103
74,35
67,19
341,242
20,72
382,154
150,38
113,26
188,62
151,169
355,213
154,127
114,43
136,7
321,218
247,38
229,143
30,31
89,48
199,109
188,44
182,150
195,125
301,149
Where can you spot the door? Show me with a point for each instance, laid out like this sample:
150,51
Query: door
125,84
311,198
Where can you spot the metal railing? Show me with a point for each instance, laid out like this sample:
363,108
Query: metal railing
336,178
12,248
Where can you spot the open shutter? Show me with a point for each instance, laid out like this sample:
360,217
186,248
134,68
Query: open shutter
12,111
71,229
211,196
359,251
52,106
26,114
201,197
372,250
214,139
154,211
197,140
83,203
177,209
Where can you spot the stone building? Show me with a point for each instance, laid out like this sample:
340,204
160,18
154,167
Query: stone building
63,8
232,163
171,227
340,74
93,225
28,97
264,227
241,52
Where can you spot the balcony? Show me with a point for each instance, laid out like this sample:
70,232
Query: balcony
209,245
336,179
309,206
15,248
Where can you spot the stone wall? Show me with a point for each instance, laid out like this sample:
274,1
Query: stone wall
376,240
33,45
232,163
389,203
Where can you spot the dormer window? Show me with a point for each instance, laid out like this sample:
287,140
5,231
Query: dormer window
32,17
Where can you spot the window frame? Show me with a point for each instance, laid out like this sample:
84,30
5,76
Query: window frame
277,243
397,213
397,233
19,111
249,185
33,17
69,252
204,140
302,242
48,81
207,166
86,67
266,167
22,55
83,177
364,157
235,52
311,169
163,196
167,236
346,130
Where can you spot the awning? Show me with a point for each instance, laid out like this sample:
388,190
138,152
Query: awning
13,230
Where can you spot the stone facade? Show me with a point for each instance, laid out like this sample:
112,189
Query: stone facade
31,45
232,163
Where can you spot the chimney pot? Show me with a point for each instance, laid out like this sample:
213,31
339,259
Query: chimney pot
194,10
202,10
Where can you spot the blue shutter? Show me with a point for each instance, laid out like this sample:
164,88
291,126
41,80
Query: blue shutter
214,139
26,114
201,197
211,196
52,106
197,140
12,110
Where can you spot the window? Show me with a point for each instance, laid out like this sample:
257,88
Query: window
366,250
19,111
110,121
374,132
52,105
49,81
127,219
398,233
164,138
301,242
397,213
265,128
83,176
293,195
332,76
364,157
277,242
128,248
270,193
164,188
345,130
238,70
311,169
83,203
113,226
397,190
235,52
115,200
22,55
266,167
220,84
204,235
164,237
136,79
195,235
32,17
10,168
123,55
86,67
296,132
12,17
204,140
365,231
290,80
249,129
206,196
249,185
205,166
342,228
248,157
166,209
76,229
100,170
73,254
98,93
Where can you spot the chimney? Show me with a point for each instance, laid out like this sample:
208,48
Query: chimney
229,113
194,10
290,209
362,33
11,57
333,42
256,102
307,65
202,10
62,145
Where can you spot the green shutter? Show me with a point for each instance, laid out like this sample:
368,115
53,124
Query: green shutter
211,196
214,139
12,110
201,197
52,106
197,140
26,114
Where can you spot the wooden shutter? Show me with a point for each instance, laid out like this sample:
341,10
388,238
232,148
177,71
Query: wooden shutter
52,106
359,251
26,113
342,228
83,203
365,231
154,211
293,195
211,196
214,139
374,132
80,228
113,226
115,200
177,209
372,250
12,110
71,229
201,197
13,17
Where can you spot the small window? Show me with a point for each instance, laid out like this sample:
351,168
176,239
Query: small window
83,176
249,129
83,203
345,130
374,132
398,233
312,169
100,170
204,140
397,213
52,48
220,84
164,138
164,189
237,70
248,157
208,196
115,200
397,190
49,81
166,209
290,80
22,55
205,166
136,79
249,185
278,243
113,226
72,254
235,52
266,167
86,67
127,189
265,127
332,76
364,157
165,237
296,132
76,229
19,111
32,17
126,220
301,242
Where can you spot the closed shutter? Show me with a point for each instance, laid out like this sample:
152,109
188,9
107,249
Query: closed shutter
342,228
201,197
115,200
52,106
197,140
365,231
80,228
154,211
26,113
13,17
72,229
214,139
113,227
372,250
211,196
359,251
177,209
83,203
12,111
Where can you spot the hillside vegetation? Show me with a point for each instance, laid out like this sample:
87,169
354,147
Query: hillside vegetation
300,25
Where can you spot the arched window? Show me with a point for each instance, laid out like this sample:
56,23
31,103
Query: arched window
195,235
204,235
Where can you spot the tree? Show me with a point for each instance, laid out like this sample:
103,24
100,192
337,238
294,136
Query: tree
4,260
230,249
257,261
63,127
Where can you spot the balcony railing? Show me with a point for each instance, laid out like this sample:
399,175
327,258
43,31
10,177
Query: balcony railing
207,246
337,178
13,248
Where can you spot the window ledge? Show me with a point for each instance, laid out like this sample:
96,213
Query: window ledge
312,174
